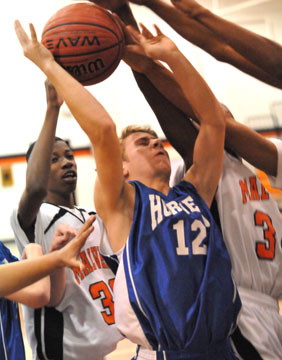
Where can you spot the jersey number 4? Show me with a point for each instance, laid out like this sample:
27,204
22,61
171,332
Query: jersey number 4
198,248
101,291
265,249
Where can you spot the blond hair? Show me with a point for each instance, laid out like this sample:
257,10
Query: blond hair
131,129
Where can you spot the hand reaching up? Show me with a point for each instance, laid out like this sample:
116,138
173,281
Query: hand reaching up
32,48
158,47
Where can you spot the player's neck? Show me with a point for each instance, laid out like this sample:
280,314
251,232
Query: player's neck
66,200
159,183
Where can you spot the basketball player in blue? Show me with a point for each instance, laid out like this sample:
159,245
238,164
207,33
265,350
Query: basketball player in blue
174,294
11,341
248,215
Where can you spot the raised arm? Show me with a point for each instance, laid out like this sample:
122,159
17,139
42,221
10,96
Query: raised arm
158,85
38,166
250,45
110,191
166,99
16,277
172,109
208,150
202,36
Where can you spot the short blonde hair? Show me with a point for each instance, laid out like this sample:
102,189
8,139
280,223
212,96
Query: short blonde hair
131,129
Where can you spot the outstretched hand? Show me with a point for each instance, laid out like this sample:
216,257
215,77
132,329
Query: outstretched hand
69,254
157,47
32,48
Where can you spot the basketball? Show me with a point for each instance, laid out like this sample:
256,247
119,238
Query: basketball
85,40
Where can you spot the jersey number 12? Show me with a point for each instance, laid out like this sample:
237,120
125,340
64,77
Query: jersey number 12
198,248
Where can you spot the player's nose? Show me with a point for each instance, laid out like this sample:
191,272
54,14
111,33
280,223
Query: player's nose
157,143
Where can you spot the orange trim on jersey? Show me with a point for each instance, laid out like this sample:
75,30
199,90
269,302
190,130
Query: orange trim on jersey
266,183
270,133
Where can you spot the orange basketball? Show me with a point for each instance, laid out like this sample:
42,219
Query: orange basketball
86,40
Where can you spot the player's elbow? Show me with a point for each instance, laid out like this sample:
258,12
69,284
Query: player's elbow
40,295
42,298
106,131
39,299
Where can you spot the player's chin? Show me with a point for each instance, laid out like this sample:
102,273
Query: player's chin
70,184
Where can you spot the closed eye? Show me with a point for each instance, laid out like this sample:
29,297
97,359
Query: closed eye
144,141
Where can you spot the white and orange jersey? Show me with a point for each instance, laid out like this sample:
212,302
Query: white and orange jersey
82,326
251,225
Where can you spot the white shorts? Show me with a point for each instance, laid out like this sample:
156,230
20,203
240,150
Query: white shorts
260,322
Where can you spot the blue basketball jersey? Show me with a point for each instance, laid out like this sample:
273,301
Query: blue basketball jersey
11,341
178,273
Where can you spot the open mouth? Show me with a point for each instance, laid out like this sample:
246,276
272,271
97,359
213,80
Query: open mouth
161,153
69,175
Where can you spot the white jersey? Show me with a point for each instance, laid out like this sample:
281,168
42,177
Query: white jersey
82,326
251,224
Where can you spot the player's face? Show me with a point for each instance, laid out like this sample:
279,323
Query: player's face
145,155
63,172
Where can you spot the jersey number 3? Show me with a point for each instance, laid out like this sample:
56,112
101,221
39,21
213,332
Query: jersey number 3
100,290
265,249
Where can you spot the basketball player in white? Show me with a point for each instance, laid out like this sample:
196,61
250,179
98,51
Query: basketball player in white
78,321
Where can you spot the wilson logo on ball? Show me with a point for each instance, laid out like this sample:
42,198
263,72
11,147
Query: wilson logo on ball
92,67
86,40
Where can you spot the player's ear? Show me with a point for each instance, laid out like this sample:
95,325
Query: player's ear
125,169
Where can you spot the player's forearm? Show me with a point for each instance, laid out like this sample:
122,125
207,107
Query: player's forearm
89,113
252,46
39,162
166,84
251,146
15,276
175,124
204,31
126,15
201,99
